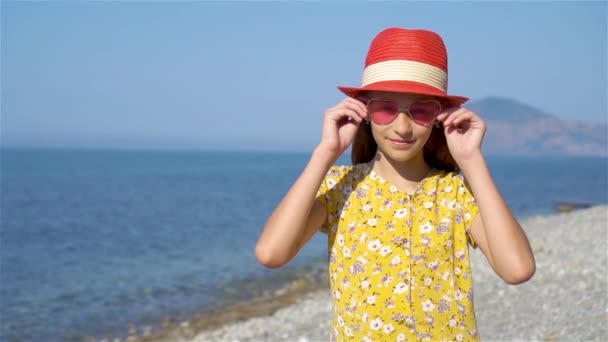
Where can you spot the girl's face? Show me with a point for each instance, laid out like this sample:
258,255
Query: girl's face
402,139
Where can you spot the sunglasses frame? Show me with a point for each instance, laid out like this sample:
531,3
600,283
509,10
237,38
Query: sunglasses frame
403,110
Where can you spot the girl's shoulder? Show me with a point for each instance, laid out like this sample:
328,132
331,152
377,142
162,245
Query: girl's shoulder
454,177
354,172
340,176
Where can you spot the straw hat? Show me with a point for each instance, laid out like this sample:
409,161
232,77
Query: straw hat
406,61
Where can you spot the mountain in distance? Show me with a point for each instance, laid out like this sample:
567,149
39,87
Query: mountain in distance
515,128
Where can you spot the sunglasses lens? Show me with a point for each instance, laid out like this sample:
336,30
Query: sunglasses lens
424,112
382,112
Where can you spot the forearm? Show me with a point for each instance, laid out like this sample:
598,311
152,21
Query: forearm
508,246
287,224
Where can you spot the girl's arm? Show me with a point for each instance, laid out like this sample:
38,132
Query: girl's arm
299,215
495,230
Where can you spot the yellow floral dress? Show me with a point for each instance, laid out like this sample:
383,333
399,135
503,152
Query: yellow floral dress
399,263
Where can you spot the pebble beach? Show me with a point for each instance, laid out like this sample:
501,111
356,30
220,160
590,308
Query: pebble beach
566,300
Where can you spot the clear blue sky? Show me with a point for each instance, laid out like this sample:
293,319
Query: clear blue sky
260,75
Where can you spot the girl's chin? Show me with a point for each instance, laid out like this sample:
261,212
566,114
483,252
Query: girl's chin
399,155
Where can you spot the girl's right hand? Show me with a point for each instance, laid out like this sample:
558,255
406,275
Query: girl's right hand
340,125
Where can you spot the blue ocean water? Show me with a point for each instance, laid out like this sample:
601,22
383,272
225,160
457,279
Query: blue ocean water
92,240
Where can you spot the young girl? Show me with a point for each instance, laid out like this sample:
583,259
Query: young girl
400,219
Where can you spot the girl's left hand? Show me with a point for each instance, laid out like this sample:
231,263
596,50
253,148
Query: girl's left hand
464,131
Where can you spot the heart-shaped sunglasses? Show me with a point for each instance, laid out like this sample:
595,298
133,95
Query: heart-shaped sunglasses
383,112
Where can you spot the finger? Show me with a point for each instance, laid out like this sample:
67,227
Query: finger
462,119
358,105
342,115
446,113
355,108
454,116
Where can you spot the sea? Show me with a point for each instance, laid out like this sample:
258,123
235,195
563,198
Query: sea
94,241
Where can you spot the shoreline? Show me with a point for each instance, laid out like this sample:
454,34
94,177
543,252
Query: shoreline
568,263
262,306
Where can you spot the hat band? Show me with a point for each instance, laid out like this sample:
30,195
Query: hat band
402,70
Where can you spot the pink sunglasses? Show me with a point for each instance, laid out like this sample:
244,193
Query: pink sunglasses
383,112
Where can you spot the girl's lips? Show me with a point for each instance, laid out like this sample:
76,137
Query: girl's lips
401,143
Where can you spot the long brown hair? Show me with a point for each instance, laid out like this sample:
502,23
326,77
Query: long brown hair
436,152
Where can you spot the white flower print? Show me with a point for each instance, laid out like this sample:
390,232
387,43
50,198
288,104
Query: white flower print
452,205
456,270
425,242
366,339
337,294
362,260
446,298
388,204
367,207
400,288
459,337
371,300
387,280
347,191
374,245
376,324
401,213
372,222
388,328
365,317
401,337
365,284
452,322
348,332
467,216
428,305
363,237
448,188
340,239
428,281
446,275
396,261
341,320
427,227
393,189
428,205
346,252
385,250
458,295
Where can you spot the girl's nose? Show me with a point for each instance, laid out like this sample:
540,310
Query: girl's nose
403,123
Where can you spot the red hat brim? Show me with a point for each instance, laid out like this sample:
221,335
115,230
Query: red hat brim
404,87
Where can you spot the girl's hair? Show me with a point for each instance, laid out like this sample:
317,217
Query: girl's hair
436,152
